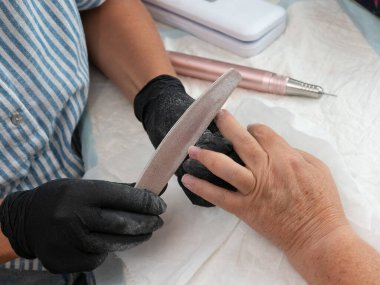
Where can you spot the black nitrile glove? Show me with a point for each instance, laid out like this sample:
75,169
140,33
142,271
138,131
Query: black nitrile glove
71,224
158,106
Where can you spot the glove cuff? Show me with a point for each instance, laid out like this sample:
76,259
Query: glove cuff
12,219
152,91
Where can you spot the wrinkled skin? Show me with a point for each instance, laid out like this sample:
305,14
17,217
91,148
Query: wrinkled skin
287,195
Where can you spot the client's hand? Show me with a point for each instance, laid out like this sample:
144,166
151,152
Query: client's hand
285,194
290,197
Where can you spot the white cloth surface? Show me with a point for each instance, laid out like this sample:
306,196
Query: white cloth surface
209,246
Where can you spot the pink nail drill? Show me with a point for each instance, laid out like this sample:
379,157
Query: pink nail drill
252,79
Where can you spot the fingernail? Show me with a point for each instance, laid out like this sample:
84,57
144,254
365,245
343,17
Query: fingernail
219,115
187,180
193,151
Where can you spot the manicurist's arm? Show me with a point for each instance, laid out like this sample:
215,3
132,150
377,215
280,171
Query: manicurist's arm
6,251
124,44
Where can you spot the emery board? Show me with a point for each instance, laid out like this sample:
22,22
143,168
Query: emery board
244,27
186,131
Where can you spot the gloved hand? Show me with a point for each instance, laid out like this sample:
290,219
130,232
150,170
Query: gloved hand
71,224
158,106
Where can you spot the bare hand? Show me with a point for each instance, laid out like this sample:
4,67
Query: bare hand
286,194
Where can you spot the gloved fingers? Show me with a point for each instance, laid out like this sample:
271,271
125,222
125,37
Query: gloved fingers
101,243
159,194
97,243
119,196
212,127
73,261
119,222
214,142
195,168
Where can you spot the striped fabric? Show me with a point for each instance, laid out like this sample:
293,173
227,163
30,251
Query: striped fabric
24,264
43,88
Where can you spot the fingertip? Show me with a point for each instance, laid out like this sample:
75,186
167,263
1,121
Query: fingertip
192,183
219,115
188,180
157,205
156,224
162,205
222,113
152,202
160,223
193,151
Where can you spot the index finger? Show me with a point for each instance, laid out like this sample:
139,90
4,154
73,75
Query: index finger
245,145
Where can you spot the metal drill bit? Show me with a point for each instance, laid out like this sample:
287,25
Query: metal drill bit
298,88
329,94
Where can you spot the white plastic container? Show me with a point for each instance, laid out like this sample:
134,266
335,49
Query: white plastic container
244,27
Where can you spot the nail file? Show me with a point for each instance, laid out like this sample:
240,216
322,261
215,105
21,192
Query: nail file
186,132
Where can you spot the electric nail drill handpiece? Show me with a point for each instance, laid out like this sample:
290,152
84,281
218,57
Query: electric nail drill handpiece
252,79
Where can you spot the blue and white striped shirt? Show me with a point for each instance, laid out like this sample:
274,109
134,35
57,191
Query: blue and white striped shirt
44,79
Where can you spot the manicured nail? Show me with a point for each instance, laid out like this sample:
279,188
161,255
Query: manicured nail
219,115
193,151
187,180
